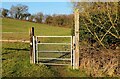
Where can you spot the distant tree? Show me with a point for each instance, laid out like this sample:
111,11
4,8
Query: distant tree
4,12
49,20
60,20
18,11
44,18
25,16
38,17
31,17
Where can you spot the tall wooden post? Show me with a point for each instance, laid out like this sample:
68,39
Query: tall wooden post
31,45
76,53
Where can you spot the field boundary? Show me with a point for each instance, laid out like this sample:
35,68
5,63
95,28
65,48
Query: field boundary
13,32
22,41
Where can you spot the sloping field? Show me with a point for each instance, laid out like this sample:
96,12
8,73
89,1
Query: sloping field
15,56
20,29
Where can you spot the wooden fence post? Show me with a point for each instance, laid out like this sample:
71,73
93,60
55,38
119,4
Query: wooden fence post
31,45
76,54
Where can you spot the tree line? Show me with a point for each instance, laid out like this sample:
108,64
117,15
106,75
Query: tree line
21,12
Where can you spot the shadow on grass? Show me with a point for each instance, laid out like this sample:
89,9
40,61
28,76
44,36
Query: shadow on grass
55,59
17,49
3,59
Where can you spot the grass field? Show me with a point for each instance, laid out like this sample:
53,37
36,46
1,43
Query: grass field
15,56
11,25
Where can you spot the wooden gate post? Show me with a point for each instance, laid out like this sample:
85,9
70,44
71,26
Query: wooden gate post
31,45
76,53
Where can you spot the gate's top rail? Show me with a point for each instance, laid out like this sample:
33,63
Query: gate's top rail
55,36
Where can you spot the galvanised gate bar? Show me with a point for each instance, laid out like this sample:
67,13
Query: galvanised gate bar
38,44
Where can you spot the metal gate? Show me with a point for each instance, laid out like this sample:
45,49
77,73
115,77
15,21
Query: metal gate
38,44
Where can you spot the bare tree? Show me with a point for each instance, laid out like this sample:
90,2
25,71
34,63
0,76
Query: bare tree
18,11
39,17
4,12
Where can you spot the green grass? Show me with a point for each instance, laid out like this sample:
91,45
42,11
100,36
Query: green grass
15,56
15,63
11,25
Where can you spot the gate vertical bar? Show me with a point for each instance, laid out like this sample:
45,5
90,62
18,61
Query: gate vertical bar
31,32
37,49
76,14
34,48
73,52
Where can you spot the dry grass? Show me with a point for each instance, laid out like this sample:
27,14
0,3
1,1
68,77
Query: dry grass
99,63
